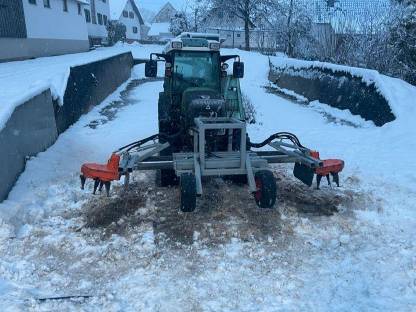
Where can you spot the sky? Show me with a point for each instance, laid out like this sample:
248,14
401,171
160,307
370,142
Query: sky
155,5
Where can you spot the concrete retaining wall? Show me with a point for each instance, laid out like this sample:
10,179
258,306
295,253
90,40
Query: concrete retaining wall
35,125
88,85
340,90
31,129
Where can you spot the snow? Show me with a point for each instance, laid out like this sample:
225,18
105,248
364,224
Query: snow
382,83
20,81
116,8
158,29
360,259
298,97
340,115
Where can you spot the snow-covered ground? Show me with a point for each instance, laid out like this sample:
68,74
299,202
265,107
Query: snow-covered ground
362,258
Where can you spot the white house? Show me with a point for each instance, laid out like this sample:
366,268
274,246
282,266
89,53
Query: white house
127,13
165,14
33,28
159,29
97,15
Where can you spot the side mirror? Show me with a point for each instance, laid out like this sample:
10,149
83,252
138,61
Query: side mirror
238,69
150,69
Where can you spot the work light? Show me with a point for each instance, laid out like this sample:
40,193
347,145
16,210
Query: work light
176,45
214,46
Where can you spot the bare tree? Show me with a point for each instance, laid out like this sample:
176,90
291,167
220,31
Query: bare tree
246,11
292,23
197,10
403,41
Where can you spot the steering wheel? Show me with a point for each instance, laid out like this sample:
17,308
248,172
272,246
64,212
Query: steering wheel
196,82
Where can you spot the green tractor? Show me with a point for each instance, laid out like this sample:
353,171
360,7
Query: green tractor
196,83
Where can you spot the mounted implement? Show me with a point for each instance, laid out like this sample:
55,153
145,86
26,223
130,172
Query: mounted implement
202,131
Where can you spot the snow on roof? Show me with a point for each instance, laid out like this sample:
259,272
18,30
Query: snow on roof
158,28
116,8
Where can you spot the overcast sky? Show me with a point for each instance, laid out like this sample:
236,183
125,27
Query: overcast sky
155,5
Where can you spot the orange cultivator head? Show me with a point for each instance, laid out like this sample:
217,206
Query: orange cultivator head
102,175
329,167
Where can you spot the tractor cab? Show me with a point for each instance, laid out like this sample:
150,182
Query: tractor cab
197,83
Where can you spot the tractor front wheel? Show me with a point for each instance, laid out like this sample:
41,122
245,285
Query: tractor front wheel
266,193
188,192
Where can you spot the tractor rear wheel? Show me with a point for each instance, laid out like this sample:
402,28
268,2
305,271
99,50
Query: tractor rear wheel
188,192
266,193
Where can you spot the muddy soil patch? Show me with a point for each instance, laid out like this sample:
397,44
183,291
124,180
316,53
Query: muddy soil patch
102,211
224,211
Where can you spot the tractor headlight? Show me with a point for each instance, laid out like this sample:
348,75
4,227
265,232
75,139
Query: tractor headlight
214,46
176,45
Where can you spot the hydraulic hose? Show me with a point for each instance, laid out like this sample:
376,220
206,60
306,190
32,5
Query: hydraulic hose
278,136
168,138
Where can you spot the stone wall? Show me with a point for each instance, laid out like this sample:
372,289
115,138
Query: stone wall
338,89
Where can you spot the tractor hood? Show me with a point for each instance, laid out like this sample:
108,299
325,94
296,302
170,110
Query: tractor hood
202,102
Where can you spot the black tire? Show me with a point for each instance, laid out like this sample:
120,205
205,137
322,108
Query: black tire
266,189
165,177
188,192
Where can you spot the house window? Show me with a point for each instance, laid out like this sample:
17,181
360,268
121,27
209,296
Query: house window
65,5
105,19
32,2
125,14
131,14
100,18
134,30
87,16
238,35
79,9
47,3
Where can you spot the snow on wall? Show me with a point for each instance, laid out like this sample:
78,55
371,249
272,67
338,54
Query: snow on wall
21,81
383,84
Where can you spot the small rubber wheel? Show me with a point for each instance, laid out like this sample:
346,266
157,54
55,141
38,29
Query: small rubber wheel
266,193
188,192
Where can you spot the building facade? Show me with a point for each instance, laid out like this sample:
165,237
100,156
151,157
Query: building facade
34,28
159,29
165,14
97,15
127,13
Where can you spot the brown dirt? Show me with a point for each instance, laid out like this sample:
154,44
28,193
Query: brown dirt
224,211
